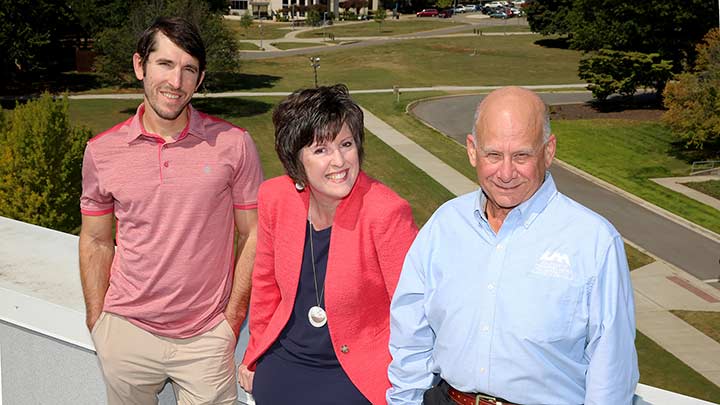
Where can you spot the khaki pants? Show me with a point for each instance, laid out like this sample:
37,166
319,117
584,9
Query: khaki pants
136,364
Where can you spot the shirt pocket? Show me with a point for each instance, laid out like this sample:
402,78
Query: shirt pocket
544,308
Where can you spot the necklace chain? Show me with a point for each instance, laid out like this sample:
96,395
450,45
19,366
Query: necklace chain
319,296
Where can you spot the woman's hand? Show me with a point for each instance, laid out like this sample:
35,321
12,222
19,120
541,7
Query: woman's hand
245,378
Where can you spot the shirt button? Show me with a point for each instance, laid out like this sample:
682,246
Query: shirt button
491,286
344,349
482,370
166,164
500,247
485,328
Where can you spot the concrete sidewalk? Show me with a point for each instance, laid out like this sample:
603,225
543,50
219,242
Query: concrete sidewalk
659,287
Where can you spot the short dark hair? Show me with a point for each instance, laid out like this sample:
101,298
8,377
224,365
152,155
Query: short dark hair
314,115
180,31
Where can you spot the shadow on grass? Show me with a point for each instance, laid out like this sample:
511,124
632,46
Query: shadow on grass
680,150
235,107
558,43
617,103
225,107
227,81
35,84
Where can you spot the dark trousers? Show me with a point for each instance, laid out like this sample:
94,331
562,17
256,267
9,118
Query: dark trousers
438,395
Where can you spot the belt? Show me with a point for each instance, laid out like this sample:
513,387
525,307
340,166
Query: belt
464,398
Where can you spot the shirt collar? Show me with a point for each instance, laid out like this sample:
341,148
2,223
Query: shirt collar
528,210
195,125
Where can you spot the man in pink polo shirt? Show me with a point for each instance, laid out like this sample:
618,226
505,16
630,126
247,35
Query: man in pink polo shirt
168,301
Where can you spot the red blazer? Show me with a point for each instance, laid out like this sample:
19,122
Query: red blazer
372,230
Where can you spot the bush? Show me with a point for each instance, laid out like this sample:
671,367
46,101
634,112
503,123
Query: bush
609,72
312,18
693,101
40,164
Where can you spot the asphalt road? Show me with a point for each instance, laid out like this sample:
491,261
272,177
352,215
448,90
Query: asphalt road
674,243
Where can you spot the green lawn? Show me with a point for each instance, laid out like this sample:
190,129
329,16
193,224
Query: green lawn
707,322
710,187
295,45
248,46
661,369
254,114
371,29
513,25
445,148
509,27
499,60
270,30
636,258
627,154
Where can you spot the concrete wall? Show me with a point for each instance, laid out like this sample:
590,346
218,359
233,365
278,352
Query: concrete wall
38,369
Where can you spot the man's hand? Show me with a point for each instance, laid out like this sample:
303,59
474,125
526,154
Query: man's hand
245,378
91,319
235,321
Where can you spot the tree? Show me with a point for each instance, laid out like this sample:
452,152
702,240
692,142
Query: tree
379,17
115,45
549,17
40,164
444,3
31,37
354,4
312,17
246,21
670,28
693,101
610,72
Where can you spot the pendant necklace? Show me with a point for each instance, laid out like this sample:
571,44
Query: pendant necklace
316,314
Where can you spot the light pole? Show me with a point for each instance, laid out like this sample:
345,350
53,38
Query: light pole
315,63
260,26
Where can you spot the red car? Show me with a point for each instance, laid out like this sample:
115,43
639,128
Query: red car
427,12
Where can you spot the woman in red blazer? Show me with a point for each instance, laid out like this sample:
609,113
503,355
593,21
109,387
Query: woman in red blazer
331,243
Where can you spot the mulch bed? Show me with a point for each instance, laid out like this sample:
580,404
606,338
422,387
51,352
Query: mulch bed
589,111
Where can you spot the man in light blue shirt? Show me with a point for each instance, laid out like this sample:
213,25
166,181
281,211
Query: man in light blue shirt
515,292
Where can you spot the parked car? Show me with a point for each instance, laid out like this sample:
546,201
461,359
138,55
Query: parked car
427,12
459,9
447,13
498,14
469,8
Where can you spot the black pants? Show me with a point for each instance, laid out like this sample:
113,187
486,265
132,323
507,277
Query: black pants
438,395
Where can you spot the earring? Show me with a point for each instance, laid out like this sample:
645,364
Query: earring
299,186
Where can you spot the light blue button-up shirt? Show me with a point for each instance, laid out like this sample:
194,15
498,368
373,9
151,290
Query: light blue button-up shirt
540,313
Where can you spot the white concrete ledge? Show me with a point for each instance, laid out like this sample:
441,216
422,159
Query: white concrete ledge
40,291
40,282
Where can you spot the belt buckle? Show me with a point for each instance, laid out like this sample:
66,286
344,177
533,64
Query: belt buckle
488,398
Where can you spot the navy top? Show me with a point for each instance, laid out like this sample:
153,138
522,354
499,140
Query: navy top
301,366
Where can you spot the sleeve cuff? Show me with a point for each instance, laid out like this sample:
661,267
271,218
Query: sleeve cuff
95,213
245,206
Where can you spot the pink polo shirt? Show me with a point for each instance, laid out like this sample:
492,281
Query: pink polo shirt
173,267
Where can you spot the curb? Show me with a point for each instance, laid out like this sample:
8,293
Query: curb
652,207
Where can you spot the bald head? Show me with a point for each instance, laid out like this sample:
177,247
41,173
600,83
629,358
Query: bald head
509,102
511,149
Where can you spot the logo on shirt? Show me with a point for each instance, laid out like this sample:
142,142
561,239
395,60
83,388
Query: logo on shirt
553,264
207,169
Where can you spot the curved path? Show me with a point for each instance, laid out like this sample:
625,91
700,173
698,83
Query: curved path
665,238
459,28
